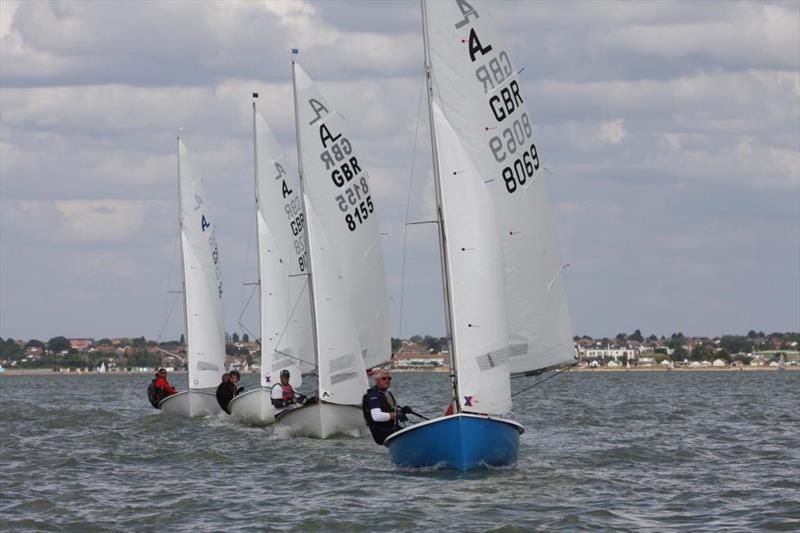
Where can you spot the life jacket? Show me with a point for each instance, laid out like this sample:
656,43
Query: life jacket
154,394
288,392
388,403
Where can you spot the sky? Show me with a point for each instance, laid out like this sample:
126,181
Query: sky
671,131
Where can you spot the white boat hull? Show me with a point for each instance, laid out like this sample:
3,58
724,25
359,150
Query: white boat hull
191,404
253,408
323,420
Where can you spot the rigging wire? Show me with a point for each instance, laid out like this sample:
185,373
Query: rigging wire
288,321
557,373
243,306
168,292
408,207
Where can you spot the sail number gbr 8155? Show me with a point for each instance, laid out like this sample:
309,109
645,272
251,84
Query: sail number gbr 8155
512,146
353,200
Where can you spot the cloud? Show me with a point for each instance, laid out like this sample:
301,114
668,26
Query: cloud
612,131
670,130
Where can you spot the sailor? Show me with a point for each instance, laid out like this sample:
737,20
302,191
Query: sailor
226,390
380,408
283,394
160,388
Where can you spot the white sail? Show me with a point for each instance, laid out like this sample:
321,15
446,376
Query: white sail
342,376
479,91
475,263
205,327
286,336
338,188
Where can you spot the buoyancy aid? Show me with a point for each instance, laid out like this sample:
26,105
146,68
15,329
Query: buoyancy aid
288,392
387,405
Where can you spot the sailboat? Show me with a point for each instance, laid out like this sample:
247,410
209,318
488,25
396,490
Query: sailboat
347,283
202,291
505,302
286,342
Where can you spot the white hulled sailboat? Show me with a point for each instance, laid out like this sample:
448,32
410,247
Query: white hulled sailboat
202,290
286,341
349,298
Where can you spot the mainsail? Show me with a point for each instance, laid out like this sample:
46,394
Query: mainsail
475,264
286,336
338,190
205,327
479,91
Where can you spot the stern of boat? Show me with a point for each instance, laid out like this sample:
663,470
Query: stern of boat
462,442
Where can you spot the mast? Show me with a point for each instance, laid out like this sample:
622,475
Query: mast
258,242
314,332
451,342
183,261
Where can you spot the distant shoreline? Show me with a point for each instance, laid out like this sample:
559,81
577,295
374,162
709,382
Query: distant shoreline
687,369
49,372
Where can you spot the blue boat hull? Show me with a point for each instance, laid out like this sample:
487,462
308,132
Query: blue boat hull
462,441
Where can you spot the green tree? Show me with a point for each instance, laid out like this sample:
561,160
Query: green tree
9,349
183,339
58,344
396,344
636,336
245,337
35,343
235,337
622,337
679,354
144,359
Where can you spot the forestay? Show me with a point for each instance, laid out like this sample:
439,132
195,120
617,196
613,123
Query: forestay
286,336
479,90
205,327
338,188
475,263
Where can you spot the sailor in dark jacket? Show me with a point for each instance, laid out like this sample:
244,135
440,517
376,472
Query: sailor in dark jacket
380,408
227,389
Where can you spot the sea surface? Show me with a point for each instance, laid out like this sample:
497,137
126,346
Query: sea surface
627,451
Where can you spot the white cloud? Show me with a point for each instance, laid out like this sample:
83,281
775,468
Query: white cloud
612,131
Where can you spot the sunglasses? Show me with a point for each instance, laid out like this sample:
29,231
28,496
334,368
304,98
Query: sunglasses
385,379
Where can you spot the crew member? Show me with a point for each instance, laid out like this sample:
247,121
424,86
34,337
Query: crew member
283,394
226,390
160,388
380,408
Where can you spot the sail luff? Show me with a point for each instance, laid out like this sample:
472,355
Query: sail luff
451,341
304,200
266,355
183,261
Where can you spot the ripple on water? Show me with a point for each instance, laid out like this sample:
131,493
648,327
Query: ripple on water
626,451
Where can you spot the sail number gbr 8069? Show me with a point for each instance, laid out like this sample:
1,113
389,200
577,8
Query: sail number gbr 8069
513,146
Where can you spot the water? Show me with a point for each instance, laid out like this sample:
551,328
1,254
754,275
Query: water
625,451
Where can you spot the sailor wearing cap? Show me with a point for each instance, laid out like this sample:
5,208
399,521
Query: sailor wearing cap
283,394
